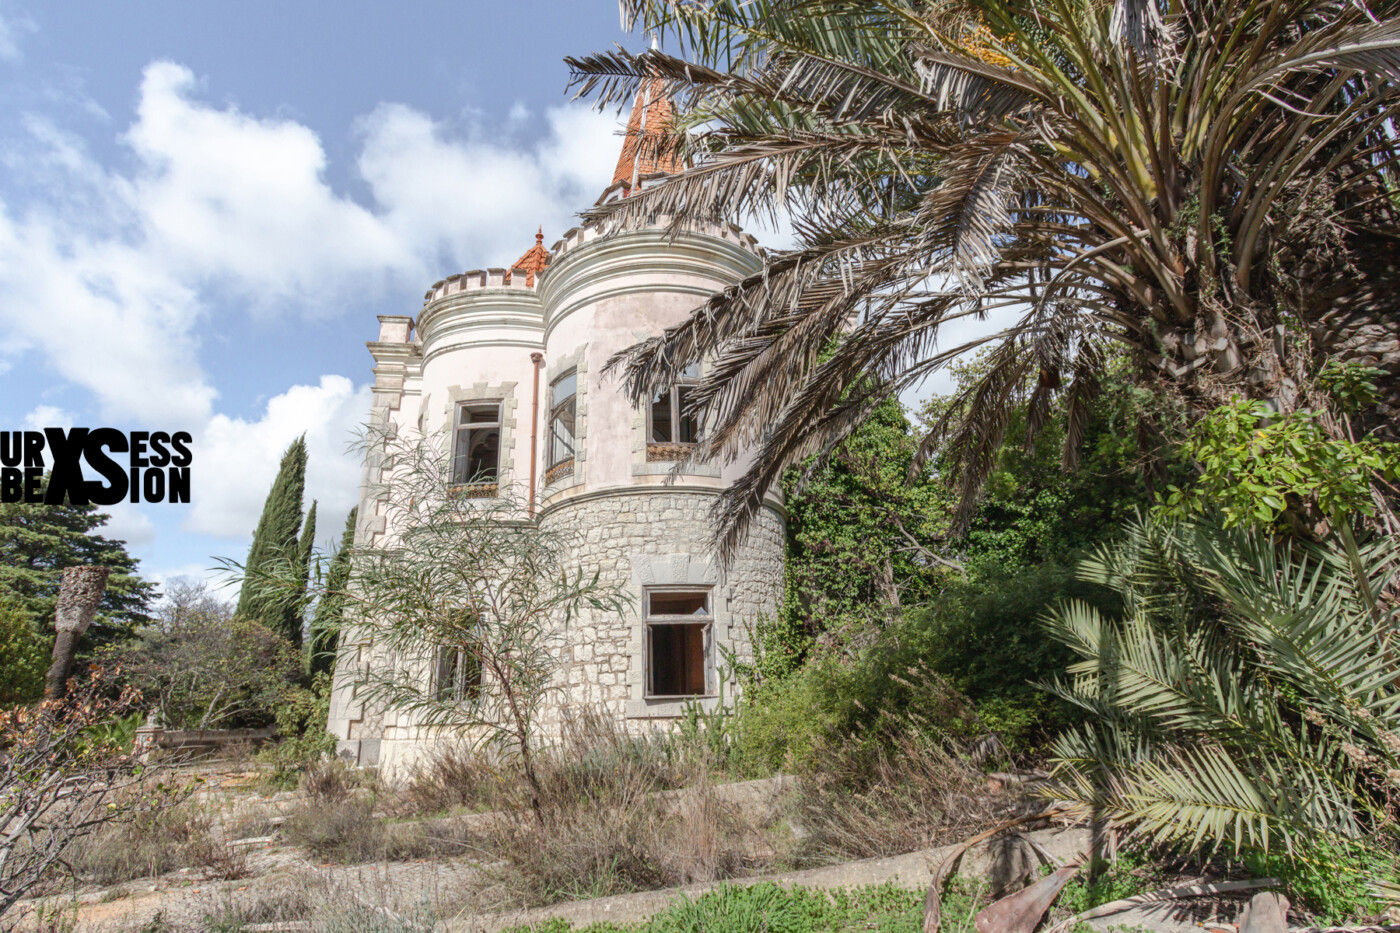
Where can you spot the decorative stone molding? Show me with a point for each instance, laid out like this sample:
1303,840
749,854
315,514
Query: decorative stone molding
481,392
555,482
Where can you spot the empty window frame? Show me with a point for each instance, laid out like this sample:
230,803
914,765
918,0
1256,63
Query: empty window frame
563,411
458,675
678,632
476,453
670,429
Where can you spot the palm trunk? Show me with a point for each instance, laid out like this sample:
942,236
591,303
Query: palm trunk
79,594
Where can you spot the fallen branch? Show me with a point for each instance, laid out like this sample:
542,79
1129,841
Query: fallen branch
933,909
1164,894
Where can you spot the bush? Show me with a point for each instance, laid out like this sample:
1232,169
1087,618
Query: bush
303,741
24,658
1333,882
604,827
787,724
155,842
983,634
916,792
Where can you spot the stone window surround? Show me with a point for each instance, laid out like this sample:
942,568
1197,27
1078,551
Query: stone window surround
641,434
672,571
484,392
578,362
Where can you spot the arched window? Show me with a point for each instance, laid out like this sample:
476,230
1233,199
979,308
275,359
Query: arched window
563,410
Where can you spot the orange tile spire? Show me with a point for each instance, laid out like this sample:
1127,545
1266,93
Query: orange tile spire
533,260
651,119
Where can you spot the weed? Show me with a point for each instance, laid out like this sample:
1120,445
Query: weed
1331,881
155,842
769,908
1107,881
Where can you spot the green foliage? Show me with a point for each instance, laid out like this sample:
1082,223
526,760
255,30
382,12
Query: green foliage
1256,465
857,701
1245,696
37,542
859,532
202,668
330,609
24,658
275,541
1032,510
302,739
982,634
1334,880
1106,881
770,908
1351,386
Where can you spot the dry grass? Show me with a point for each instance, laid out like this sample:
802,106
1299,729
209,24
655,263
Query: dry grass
911,792
155,842
606,827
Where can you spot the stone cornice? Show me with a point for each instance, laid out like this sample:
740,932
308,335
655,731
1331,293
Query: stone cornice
645,257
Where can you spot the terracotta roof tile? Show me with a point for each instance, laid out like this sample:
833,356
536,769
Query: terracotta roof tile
651,119
533,260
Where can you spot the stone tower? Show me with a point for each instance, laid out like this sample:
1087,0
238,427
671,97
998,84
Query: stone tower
487,343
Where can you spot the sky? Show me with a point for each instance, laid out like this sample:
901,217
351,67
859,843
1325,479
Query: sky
203,206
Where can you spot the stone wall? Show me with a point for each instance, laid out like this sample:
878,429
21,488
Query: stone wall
633,538
653,536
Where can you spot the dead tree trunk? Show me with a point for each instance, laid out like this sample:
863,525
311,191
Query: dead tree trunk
79,594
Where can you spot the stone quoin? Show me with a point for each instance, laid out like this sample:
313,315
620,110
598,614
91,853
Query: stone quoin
603,468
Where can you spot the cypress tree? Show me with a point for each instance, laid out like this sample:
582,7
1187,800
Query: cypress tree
325,627
275,542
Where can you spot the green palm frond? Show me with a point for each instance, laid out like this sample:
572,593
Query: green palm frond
1174,180
1246,698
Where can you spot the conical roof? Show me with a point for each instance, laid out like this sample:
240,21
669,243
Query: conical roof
533,260
651,120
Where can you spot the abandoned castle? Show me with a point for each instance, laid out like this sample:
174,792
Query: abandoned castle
483,349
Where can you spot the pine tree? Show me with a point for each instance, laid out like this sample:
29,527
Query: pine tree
38,541
276,541
325,627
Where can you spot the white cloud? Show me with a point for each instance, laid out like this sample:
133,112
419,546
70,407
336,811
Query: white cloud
236,460
244,200
47,416
117,274
128,523
12,28
478,200
112,275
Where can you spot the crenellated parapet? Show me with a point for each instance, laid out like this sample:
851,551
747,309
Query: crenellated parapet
479,278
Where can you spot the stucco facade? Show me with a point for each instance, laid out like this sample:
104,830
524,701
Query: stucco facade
487,338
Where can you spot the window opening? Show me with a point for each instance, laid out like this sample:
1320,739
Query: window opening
476,459
563,410
458,675
678,634
672,431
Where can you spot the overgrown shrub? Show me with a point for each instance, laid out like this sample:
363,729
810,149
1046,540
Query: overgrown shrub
24,657
606,826
154,842
786,724
303,742
913,792
1333,882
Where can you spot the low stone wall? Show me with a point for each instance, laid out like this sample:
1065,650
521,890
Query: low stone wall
197,743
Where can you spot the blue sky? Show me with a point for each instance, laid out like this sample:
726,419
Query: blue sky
204,205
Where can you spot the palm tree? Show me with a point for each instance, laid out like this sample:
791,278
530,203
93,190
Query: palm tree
1206,186
1247,695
